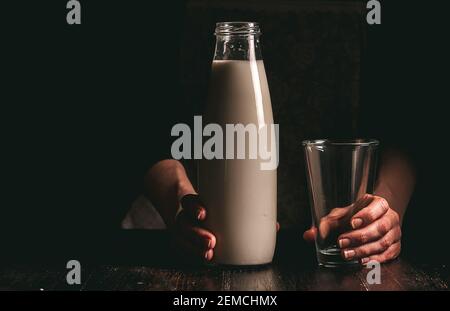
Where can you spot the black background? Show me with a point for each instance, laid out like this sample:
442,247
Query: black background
78,104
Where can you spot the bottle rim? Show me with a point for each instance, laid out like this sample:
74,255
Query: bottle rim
237,28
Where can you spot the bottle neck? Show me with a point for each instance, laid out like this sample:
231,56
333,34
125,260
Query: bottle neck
238,47
237,41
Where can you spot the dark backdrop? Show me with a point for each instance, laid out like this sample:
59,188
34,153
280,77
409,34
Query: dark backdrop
86,109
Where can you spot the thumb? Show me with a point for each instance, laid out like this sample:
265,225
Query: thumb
310,235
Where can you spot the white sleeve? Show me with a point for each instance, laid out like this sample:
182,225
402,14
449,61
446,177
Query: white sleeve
142,215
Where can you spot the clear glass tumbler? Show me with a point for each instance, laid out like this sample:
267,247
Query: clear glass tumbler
339,173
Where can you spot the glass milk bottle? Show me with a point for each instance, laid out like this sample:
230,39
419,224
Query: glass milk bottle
239,189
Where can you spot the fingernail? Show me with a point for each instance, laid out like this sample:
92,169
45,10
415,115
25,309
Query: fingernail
343,243
200,214
356,223
209,244
349,254
208,255
365,260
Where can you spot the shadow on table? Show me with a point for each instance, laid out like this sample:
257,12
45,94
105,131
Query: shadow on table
154,248
144,260
136,247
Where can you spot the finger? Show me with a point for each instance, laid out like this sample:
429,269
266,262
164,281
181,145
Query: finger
198,236
340,212
310,235
205,235
278,226
193,207
390,254
372,232
328,225
209,254
377,208
361,203
373,248
188,248
336,220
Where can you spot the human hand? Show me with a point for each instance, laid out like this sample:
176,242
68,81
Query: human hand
189,232
376,233
374,230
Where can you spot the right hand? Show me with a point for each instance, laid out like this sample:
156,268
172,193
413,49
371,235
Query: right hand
190,235
337,221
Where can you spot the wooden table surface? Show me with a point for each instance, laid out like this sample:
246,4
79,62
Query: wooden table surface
294,268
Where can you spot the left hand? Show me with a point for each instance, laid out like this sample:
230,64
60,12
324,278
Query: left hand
376,233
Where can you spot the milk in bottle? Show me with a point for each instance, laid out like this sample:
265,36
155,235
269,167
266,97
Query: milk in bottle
239,196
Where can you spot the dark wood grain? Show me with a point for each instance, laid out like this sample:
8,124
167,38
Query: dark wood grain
294,268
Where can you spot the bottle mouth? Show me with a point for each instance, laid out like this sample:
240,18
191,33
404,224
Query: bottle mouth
237,28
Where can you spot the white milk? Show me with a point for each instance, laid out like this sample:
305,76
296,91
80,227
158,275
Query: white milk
240,198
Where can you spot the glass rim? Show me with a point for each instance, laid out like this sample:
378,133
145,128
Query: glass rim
363,142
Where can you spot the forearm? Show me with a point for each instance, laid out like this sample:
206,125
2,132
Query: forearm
396,180
165,184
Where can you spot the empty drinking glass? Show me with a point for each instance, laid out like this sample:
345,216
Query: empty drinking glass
339,173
